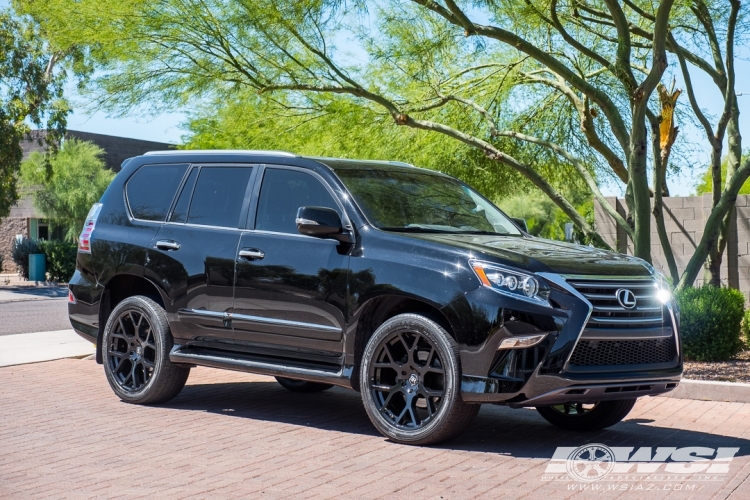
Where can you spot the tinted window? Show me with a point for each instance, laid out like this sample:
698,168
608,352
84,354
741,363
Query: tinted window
180,212
218,196
419,201
281,195
151,190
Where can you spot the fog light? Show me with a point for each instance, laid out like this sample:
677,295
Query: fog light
521,342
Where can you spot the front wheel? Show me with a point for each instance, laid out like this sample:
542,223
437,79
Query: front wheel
586,417
410,380
135,350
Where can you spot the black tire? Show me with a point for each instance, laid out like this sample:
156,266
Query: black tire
580,417
135,350
416,363
302,385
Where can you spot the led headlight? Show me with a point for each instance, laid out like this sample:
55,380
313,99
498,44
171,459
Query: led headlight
663,287
510,282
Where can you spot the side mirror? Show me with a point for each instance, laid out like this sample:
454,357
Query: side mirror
322,222
520,223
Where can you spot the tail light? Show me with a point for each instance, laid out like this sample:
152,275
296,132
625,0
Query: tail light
71,297
84,241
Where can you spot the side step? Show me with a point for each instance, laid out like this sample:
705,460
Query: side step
232,361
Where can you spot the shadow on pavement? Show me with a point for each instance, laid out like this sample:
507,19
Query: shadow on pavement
22,292
520,433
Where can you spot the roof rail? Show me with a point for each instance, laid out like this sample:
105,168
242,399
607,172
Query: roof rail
219,151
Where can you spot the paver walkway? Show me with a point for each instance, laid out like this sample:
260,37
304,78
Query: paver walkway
63,434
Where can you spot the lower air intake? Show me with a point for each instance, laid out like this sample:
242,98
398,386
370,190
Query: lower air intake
623,352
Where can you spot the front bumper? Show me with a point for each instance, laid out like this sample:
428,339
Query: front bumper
553,379
543,390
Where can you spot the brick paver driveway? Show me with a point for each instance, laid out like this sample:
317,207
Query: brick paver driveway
64,434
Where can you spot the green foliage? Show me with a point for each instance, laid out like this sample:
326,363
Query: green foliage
542,216
710,322
347,130
31,94
20,251
77,180
746,329
705,185
61,259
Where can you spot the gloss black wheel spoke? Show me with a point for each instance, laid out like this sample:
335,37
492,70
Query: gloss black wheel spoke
407,387
132,351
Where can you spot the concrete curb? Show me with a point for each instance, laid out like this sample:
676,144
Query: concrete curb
709,390
24,348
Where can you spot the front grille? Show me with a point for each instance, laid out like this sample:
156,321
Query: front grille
608,313
623,352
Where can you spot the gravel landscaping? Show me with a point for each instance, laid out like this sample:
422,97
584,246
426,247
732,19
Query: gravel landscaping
734,370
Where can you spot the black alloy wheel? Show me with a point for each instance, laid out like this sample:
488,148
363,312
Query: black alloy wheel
131,351
295,385
135,350
407,380
587,416
410,380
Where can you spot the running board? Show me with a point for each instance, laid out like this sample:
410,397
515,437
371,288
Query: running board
231,361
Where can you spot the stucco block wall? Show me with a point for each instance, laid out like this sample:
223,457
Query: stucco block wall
10,227
685,219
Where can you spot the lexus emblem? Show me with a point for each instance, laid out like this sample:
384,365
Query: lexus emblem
626,298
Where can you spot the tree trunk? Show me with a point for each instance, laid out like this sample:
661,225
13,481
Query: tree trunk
641,192
712,275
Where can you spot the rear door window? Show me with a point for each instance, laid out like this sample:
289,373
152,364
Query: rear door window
152,188
218,196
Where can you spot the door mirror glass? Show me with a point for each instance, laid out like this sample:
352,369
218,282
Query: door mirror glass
321,222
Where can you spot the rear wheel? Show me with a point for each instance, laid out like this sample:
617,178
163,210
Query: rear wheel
586,416
302,385
135,350
410,381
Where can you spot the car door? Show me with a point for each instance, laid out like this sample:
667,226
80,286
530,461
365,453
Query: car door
290,291
194,252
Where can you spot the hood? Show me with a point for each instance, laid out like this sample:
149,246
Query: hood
541,255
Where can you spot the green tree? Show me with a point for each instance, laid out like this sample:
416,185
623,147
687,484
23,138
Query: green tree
527,84
31,94
342,129
65,190
705,184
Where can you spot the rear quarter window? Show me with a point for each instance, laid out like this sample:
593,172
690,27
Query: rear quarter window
152,188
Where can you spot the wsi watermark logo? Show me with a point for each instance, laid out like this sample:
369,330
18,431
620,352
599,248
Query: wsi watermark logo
596,462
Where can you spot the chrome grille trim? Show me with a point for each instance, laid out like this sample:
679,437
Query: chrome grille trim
608,313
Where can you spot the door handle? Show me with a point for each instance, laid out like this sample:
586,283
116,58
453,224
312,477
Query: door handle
252,254
167,245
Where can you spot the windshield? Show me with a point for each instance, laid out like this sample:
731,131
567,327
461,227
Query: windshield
418,201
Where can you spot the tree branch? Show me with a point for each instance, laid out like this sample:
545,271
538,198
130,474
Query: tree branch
580,168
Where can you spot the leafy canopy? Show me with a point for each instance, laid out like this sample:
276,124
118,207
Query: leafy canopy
31,94
78,179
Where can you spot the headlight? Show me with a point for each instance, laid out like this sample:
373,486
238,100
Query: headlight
511,282
663,287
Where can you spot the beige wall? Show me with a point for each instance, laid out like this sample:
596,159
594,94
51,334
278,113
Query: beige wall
9,228
685,218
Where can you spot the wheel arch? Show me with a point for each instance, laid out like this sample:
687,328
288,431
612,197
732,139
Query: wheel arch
118,288
380,309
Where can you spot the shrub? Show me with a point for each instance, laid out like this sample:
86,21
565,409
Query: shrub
710,322
20,251
61,259
746,329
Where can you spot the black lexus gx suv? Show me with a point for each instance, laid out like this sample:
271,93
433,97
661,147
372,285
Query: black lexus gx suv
401,283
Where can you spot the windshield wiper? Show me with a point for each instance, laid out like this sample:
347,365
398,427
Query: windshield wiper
413,229
493,233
